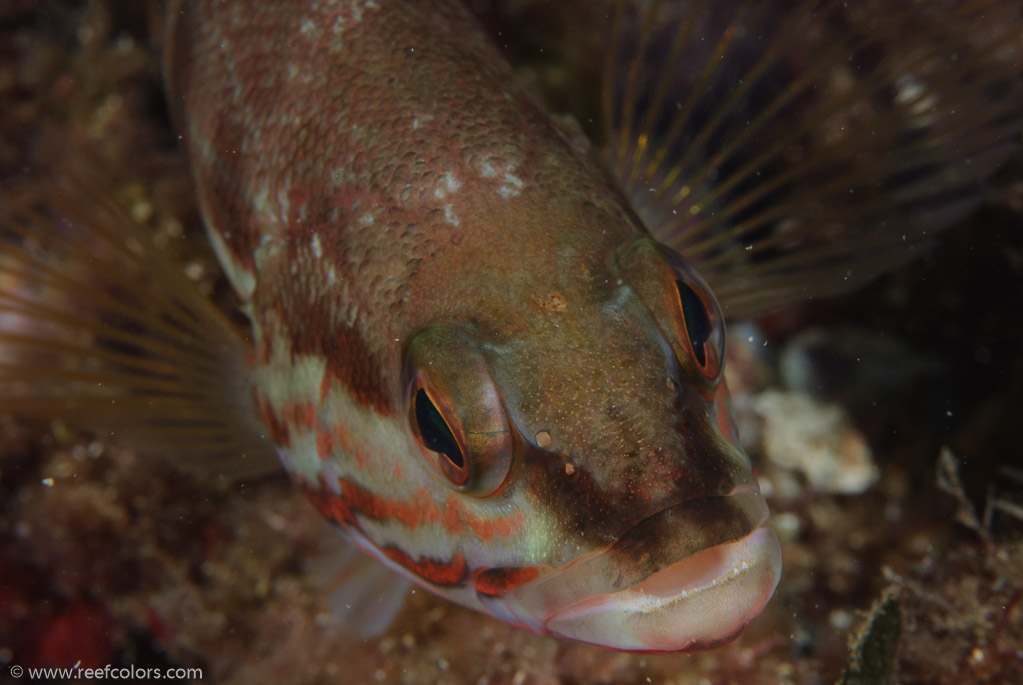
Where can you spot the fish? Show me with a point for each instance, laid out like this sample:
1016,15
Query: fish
488,344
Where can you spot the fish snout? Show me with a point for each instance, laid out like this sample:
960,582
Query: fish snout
691,576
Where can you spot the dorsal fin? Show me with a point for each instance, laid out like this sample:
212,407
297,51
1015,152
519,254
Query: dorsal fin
100,328
794,150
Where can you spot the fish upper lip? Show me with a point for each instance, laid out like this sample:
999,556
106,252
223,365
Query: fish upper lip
692,575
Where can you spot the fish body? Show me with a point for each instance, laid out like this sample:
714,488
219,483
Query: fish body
469,352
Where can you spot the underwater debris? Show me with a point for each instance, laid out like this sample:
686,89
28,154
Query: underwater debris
876,642
948,481
996,503
815,440
963,617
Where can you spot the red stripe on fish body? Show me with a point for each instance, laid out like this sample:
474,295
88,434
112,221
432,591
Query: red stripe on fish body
495,582
438,572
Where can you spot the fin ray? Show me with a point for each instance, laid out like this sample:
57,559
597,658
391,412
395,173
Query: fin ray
99,328
818,141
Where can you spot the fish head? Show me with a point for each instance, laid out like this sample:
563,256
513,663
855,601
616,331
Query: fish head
588,425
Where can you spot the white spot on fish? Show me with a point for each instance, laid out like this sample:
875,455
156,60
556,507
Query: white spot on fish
487,169
450,185
351,315
358,7
284,203
317,247
417,122
450,216
308,28
292,71
366,219
261,200
512,186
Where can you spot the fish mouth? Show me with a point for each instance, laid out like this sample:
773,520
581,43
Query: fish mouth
690,577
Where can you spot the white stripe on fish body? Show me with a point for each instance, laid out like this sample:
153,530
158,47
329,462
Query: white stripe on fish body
372,452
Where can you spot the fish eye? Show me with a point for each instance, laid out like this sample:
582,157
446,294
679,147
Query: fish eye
701,325
696,320
436,435
681,303
455,412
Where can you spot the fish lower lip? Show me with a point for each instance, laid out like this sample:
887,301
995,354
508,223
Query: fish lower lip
690,577
697,603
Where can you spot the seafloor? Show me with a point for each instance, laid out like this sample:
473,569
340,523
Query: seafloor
108,557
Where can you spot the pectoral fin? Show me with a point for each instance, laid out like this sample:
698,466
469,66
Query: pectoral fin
100,328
